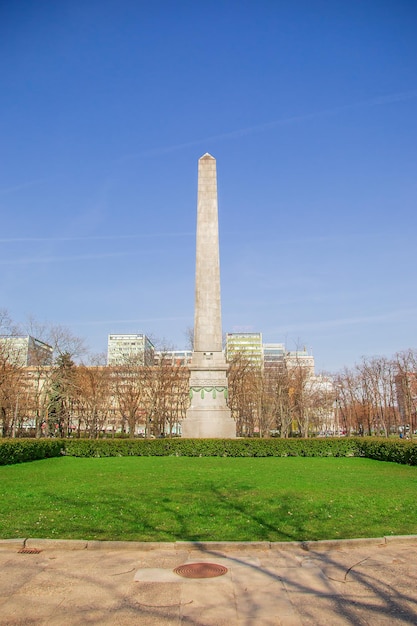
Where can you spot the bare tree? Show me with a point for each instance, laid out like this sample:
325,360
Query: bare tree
11,367
366,398
11,393
377,375
243,399
62,340
189,337
128,390
300,397
406,390
94,398
166,389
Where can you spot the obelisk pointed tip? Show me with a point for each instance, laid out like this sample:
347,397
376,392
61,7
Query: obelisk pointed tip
206,157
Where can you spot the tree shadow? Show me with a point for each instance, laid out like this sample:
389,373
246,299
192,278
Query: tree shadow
354,590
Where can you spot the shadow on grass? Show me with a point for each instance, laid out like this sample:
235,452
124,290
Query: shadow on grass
363,594
355,587
215,516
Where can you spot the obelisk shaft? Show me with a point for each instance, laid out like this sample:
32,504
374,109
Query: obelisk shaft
207,314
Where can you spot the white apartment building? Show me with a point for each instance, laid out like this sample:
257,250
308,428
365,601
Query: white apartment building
137,348
274,353
173,357
251,348
247,345
25,350
300,358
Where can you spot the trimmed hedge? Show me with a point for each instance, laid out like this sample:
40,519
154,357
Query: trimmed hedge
211,447
21,450
396,451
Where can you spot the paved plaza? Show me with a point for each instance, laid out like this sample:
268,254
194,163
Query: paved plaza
370,581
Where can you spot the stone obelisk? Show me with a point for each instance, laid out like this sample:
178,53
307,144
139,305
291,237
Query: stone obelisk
208,415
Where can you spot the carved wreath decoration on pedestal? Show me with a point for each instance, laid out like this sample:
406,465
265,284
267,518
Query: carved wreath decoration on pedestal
213,390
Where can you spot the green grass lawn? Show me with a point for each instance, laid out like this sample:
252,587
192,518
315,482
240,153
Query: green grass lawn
207,499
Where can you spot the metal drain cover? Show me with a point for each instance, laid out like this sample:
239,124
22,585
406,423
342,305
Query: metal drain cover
200,570
29,551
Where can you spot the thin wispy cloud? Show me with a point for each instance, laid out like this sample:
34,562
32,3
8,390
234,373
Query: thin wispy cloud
388,316
237,237
265,235
93,237
20,186
63,259
133,321
250,130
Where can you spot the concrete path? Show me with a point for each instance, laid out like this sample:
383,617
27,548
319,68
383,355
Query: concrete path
371,581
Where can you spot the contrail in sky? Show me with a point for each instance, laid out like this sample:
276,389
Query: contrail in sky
397,97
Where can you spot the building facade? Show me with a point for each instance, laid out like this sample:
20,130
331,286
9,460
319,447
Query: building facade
25,350
300,359
251,348
173,357
133,348
246,345
273,354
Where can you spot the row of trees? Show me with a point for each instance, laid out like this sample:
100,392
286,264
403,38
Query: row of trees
68,399
376,396
379,395
67,396
281,399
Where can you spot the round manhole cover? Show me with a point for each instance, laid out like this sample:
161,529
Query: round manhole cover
200,570
29,551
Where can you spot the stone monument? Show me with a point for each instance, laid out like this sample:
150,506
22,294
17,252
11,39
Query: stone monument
208,415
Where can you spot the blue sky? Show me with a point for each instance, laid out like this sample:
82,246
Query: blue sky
309,108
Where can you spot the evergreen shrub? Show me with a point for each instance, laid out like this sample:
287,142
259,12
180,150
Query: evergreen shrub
394,450
211,447
21,450
381,449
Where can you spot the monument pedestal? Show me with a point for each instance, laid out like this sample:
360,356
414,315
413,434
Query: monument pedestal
208,415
